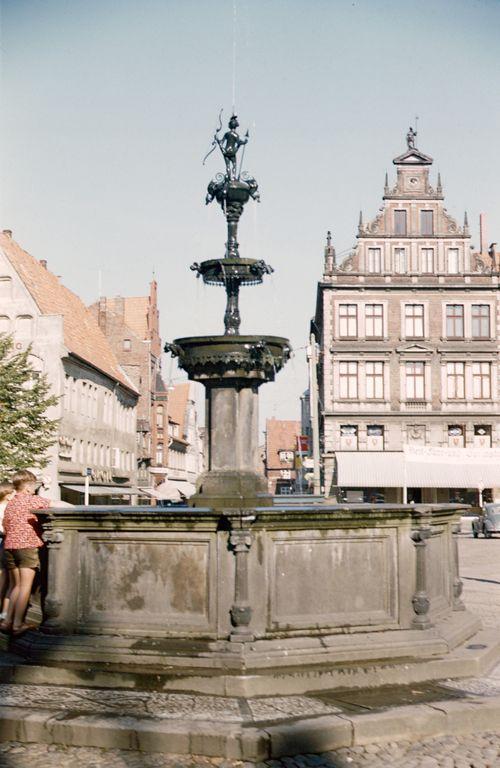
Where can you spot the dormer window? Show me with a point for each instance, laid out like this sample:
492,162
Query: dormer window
400,223
426,222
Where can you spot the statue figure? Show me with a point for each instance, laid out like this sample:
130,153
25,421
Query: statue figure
229,145
410,138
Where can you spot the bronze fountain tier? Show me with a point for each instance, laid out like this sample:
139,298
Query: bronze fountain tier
231,366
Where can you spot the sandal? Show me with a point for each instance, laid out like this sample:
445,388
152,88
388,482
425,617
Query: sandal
6,627
22,628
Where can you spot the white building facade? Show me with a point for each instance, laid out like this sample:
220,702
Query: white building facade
96,405
408,330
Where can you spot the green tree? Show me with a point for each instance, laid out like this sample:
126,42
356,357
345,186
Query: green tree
25,431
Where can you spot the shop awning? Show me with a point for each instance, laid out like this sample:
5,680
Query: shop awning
436,468
105,490
173,490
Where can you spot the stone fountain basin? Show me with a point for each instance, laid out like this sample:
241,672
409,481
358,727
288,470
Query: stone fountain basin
222,357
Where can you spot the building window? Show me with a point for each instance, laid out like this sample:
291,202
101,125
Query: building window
455,321
415,381
375,437
456,436
453,261
374,321
4,324
428,261
348,437
159,416
348,321
400,262
400,222
348,375
374,260
159,453
426,223
374,381
480,321
481,381
24,326
286,456
455,381
5,287
127,345
482,435
414,321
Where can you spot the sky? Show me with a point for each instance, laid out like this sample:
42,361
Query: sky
109,106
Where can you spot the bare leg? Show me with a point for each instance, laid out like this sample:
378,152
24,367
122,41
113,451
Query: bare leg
23,595
4,584
14,581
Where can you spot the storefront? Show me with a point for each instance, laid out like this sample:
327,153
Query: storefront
419,474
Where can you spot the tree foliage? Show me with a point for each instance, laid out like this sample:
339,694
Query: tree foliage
26,432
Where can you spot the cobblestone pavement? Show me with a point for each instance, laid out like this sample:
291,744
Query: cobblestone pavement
481,575
478,751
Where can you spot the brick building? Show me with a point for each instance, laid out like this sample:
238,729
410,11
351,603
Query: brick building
184,457
131,325
280,453
408,326
97,407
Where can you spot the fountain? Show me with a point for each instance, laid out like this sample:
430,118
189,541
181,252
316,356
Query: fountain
230,366
237,596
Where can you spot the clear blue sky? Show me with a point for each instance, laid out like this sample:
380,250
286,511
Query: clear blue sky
108,107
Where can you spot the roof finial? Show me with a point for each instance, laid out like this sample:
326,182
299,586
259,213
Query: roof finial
466,224
410,138
439,185
329,254
386,184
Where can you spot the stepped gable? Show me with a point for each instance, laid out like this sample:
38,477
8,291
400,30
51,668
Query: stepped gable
82,335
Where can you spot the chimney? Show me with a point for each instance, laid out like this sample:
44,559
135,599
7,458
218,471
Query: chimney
7,232
43,263
482,233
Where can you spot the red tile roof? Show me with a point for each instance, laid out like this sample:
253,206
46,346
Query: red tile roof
281,435
82,335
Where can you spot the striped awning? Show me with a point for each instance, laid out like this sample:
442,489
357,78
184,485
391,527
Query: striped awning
391,469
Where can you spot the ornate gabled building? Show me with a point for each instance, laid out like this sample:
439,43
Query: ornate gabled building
408,330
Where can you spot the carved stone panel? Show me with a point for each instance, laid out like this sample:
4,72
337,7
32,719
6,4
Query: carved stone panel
161,584
333,579
438,566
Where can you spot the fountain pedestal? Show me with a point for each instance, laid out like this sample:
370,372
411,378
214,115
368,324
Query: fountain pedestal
231,368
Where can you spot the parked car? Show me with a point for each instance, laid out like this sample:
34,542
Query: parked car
488,521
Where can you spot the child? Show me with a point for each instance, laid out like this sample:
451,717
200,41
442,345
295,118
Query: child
21,543
7,493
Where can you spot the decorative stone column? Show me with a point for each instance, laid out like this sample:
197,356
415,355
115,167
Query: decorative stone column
240,541
52,604
457,582
420,600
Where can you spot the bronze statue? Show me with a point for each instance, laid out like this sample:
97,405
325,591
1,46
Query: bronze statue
229,145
